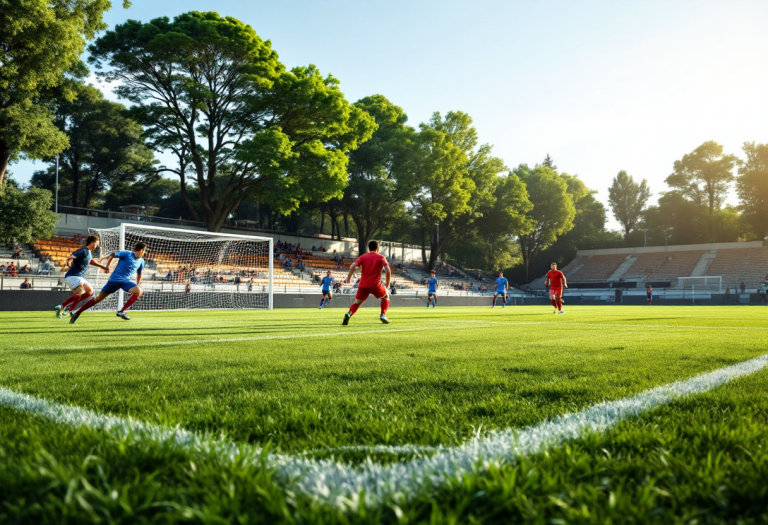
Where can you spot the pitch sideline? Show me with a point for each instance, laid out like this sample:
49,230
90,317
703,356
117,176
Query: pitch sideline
342,486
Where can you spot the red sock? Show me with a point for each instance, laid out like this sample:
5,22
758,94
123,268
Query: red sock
554,302
72,300
559,304
353,309
132,299
384,306
87,305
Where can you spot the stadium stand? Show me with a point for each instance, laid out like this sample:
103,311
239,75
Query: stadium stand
662,266
597,267
736,266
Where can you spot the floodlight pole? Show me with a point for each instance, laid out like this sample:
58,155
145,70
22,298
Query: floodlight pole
56,206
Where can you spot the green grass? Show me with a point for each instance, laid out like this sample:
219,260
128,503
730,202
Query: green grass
295,380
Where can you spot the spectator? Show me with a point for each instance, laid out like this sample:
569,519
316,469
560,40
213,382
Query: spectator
762,296
727,294
169,277
26,285
314,248
250,285
743,287
188,288
11,270
16,252
237,280
25,269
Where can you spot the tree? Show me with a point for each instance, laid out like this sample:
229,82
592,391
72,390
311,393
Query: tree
552,214
504,220
373,197
752,188
27,215
39,42
703,177
481,169
105,148
549,163
211,86
628,199
440,186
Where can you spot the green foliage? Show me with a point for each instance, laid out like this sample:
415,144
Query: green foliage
39,42
105,150
628,199
752,188
27,215
553,210
374,197
703,177
213,92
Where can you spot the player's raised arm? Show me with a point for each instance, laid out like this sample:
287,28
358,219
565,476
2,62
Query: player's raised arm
104,267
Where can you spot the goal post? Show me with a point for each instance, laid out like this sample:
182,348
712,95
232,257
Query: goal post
704,284
191,269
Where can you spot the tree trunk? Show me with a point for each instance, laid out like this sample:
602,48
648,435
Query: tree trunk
75,167
346,225
187,200
322,219
5,157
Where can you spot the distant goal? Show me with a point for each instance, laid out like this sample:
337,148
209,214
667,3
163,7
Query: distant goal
189,269
709,283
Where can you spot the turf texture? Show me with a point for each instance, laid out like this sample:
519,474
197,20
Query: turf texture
297,382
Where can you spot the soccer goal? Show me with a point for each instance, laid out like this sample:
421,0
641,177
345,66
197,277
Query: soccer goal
189,269
704,284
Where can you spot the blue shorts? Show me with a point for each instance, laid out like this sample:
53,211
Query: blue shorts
113,286
432,292
326,292
501,292
649,295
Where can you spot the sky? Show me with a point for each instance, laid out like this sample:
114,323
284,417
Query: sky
601,86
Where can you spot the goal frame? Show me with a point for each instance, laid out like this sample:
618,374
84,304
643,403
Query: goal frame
271,255
718,278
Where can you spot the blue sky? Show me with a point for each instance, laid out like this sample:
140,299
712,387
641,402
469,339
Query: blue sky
599,85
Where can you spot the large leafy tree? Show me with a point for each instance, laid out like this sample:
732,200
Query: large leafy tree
552,214
39,42
503,220
27,215
241,125
628,200
481,173
752,187
105,148
373,197
703,177
440,186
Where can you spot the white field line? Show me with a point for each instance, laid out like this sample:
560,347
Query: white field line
250,338
342,486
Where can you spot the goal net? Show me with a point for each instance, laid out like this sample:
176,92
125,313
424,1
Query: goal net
709,283
188,269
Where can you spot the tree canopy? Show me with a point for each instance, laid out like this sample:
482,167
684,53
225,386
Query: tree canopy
628,199
752,188
241,123
39,42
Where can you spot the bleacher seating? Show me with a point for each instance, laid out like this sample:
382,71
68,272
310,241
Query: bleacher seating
736,266
597,267
662,266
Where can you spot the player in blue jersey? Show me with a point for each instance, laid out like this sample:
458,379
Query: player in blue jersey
502,285
432,290
326,284
128,264
77,264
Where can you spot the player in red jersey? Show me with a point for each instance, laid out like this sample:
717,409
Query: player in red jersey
556,282
371,264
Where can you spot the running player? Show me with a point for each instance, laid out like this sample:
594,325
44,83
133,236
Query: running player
502,285
128,263
649,294
432,290
370,282
327,282
556,282
77,264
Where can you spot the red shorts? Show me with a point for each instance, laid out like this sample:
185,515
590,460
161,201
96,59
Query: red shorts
556,291
378,293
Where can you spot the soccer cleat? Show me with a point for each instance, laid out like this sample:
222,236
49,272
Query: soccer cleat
74,317
321,307
347,317
384,319
58,311
554,312
123,315
561,312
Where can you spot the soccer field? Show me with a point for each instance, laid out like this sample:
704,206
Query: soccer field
446,415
